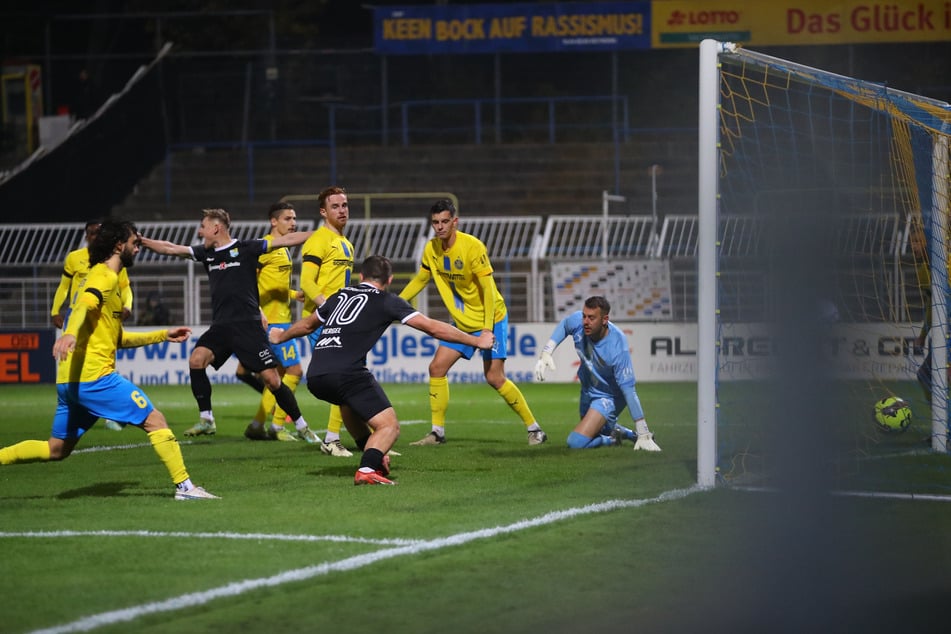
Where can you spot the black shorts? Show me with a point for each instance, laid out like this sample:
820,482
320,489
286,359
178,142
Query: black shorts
246,340
357,390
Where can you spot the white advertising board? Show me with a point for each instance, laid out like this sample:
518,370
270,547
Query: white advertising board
660,352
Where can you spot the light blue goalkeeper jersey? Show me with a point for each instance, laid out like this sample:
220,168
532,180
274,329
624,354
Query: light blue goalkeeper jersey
605,370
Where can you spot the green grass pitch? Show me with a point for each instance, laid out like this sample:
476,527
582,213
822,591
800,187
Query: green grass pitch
482,534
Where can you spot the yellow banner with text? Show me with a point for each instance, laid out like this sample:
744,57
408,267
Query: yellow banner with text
680,23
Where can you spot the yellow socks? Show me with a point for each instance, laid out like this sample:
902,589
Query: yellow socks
513,396
26,451
439,399
265,406
166,446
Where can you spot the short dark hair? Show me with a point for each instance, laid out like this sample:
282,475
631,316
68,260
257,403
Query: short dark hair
600,302
92,226
444,204
377,268
111,233
275,210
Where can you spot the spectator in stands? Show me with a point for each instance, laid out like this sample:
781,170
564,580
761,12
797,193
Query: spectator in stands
357,317
156,312
459,265
87,384
326,265
274,292
606,376
75,269
235,314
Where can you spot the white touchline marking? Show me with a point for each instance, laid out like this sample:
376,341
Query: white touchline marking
351,563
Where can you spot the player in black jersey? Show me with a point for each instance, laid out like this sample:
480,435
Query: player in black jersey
353,320
236,319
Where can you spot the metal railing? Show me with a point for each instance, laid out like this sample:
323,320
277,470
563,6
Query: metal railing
522,249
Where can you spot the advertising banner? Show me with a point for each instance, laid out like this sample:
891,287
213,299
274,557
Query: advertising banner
524,28
781,23
660,352
26,356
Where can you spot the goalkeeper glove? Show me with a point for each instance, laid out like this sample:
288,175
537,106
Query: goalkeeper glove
645,439
545,362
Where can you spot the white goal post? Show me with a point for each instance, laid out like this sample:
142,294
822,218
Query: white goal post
915,192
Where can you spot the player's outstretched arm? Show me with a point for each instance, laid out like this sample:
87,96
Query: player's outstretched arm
292,239
415,285
132,339
447,332
166,248
299,328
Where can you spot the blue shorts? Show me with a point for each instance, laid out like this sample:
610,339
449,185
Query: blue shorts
80,405
498,351
288,353
604,405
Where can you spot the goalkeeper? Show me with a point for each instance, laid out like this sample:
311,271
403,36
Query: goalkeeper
606,376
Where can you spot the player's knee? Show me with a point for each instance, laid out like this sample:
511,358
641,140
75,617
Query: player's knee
59,451
200,358
154,421
272,379
577,441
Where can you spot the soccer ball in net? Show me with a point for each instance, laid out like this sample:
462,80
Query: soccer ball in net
892,414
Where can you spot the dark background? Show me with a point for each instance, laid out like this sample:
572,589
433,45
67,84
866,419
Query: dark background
214,89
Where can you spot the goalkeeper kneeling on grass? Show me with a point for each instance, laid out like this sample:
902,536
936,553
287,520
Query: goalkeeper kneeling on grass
606,376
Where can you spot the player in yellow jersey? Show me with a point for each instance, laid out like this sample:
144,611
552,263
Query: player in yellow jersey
459,265
88,386
75,269
274,290
326,266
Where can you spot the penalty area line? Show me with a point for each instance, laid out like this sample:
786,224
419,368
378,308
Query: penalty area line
350,563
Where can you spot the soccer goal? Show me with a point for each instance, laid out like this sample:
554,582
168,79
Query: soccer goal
822,272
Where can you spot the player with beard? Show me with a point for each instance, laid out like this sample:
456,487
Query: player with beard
606,376
88,387
326,266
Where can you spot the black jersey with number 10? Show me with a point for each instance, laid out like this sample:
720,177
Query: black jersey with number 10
353,320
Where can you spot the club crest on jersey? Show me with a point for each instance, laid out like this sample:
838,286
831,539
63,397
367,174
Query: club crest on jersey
233,252
458,264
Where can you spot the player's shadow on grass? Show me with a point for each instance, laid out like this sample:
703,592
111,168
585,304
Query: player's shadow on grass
99,490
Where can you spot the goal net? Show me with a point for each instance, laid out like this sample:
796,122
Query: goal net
822,273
